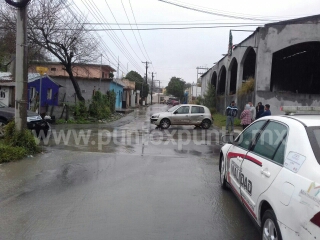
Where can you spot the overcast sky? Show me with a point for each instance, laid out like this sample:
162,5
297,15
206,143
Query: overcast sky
179,52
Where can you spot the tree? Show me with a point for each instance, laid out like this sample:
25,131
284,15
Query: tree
65,37
138,79
176,87
209,98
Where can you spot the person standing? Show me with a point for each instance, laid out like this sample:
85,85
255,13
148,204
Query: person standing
231,112
260,111
252,111
266,112
246,116
257,109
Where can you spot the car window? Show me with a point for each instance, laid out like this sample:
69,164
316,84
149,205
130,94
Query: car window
279,156
314,138
172,109
244,140
196,109
271,142
182,110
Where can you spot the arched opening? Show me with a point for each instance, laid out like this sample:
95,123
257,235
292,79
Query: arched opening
233,76
214,79
249,64
297,69
222,80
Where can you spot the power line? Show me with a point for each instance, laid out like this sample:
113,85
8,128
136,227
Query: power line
104,45
132,30
215,13
122,31
139,33
176,28
112,35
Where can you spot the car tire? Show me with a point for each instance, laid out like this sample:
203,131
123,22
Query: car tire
165,123
2,124
206,124
269,227
223,181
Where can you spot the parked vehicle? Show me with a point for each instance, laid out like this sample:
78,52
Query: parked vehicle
169,102
34,120
175,103
273,167
185,114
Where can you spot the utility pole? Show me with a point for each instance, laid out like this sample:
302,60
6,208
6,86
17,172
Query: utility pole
147,74
100,71
118,68
21,71
151,86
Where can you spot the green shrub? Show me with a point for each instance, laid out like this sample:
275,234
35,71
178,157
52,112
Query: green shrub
102,105
80,110
9,153
23,139
247,87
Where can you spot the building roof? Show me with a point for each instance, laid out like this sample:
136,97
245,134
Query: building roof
6,77
77,64
313,18
35,76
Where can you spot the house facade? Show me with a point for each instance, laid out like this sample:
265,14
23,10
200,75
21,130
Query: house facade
7,89
90,77
42,89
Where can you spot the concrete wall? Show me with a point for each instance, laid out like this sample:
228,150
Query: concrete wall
266,41
87,86
273,39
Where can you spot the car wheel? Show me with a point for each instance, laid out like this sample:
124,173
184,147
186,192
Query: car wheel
269,227
223,181
205,124
165,123
2,125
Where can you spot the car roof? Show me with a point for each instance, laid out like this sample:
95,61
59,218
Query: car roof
309,120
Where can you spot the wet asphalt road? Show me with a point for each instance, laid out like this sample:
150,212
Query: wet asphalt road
121,180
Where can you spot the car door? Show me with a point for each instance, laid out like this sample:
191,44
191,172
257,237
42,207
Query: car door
238,151
196,115
181,116
262,164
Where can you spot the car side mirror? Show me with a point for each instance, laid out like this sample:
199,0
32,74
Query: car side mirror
229,138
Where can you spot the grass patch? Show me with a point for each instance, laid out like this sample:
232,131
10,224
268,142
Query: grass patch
9,153
220,120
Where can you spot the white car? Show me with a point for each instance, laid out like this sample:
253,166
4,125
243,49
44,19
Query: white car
273,167
184,114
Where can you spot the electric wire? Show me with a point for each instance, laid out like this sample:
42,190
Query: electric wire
132,29
114,37
221,14
140,34
123,32
102,43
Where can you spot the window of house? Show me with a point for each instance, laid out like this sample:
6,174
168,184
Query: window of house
53,69
102,74
49,93
32,92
